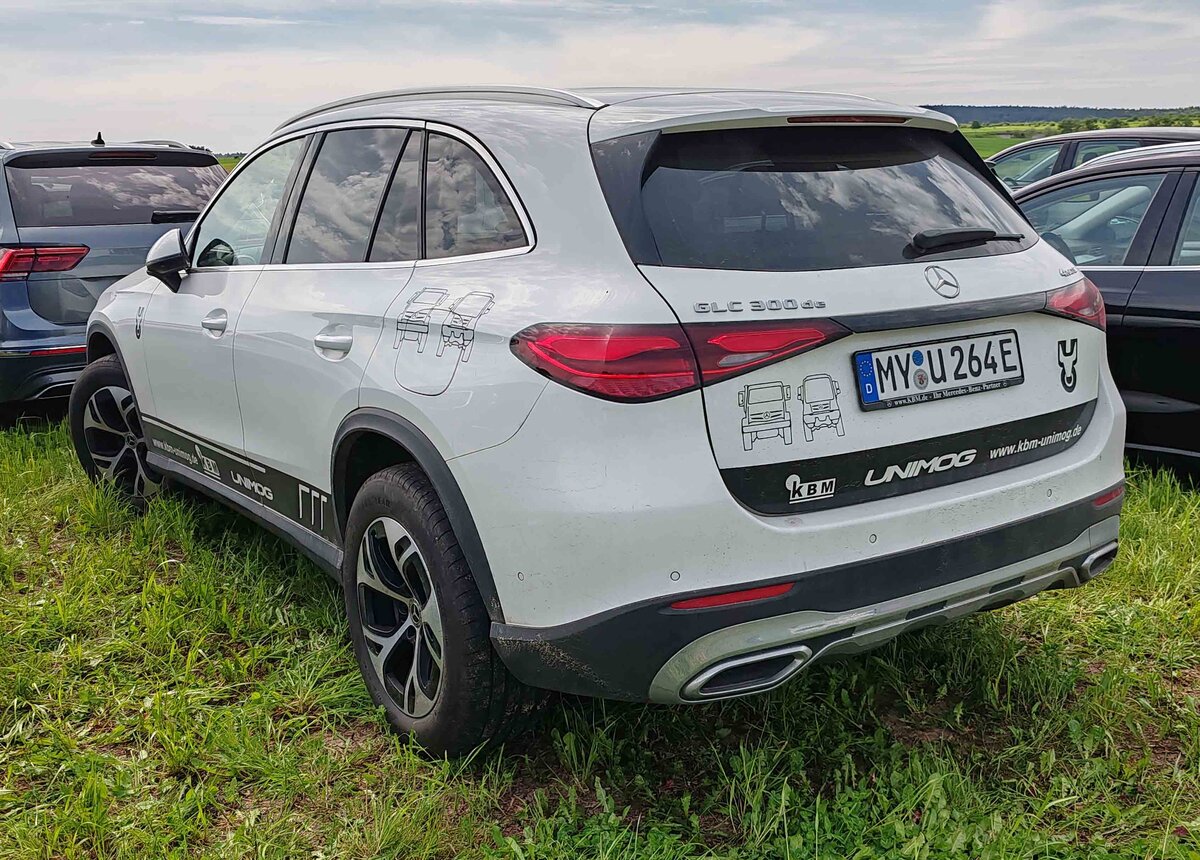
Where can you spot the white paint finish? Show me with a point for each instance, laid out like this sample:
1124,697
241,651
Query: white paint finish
117,312
294,393
596,503
191,368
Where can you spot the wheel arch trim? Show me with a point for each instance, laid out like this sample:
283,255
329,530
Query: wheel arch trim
426,455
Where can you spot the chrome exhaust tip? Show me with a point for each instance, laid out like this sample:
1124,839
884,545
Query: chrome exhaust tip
1098,562
750,673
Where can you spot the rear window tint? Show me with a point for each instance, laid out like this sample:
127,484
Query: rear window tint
100,194
796,199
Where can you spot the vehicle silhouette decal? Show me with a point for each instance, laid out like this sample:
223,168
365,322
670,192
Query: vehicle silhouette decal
765,412
432,313
818,394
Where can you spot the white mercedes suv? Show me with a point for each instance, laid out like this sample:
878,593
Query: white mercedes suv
643,394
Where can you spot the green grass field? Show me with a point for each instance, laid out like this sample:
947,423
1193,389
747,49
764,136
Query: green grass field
180,684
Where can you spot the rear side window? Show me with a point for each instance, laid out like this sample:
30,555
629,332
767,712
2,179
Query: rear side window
797,199
397,237
1187,251
1028,165
466,209
75,190
337,210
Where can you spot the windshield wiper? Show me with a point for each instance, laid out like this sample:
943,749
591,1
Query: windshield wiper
933,240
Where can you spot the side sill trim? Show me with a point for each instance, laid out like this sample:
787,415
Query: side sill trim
324,554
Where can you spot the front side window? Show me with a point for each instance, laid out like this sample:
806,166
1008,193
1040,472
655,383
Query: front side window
1028,165
1087,150
1094,222
798,199
466,209
235,229
341,198
1187,249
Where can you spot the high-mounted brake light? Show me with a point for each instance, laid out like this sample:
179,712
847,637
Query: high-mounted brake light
17,263
826,119
634,363
730,598
1080,301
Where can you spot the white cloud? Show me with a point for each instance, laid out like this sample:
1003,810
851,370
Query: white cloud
235,21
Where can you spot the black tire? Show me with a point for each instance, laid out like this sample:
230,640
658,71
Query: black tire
106,429
474,701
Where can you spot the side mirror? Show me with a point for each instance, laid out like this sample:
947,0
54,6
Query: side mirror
167,258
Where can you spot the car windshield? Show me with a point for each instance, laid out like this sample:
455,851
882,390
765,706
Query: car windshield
796,199
765,395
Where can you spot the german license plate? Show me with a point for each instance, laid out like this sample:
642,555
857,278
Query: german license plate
938,369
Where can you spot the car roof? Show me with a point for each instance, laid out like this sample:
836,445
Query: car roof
1166,156
1167,132
618,110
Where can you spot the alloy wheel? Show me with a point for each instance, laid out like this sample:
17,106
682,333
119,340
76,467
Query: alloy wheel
113,434
400,617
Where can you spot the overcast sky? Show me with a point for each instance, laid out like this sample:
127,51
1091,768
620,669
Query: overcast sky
223,73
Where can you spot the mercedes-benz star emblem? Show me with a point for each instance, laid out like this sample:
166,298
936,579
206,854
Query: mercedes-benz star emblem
943,283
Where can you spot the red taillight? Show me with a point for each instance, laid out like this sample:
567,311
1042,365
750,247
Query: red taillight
617,362
729,598
647,362
727,349
21,262
1108,497
1081,301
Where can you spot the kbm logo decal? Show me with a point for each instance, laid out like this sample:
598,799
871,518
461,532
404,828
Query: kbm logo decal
918,467
806,491
253,486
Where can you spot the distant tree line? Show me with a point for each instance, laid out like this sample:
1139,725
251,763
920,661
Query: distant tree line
995,114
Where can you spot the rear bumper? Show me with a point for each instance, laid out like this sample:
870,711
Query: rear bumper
649,651
29,375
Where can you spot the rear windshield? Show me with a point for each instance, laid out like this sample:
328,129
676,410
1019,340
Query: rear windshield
797,199
110,192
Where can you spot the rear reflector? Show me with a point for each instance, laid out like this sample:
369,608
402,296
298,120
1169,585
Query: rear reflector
1080,301
1109,497
59,350
731,597
18,263
636,363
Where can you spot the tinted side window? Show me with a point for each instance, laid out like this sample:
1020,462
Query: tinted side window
1187,252
1087,150
466,209
1094,222
397,236
341,197
1028,165
235,228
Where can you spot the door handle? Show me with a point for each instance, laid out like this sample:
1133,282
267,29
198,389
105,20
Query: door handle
215,322
334,342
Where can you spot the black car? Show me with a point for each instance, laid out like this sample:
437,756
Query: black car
1131,222
1035,160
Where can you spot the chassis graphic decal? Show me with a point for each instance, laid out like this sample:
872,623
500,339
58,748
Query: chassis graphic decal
306,506
880,473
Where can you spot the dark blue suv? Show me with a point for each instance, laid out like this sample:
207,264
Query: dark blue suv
74,218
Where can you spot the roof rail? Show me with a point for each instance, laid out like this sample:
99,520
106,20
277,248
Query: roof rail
174,144
4,144
528,94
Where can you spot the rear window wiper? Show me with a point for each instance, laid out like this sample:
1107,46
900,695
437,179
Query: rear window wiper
173,216
928,241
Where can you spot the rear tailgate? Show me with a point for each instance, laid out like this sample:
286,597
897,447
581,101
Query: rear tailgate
850,352
116,203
